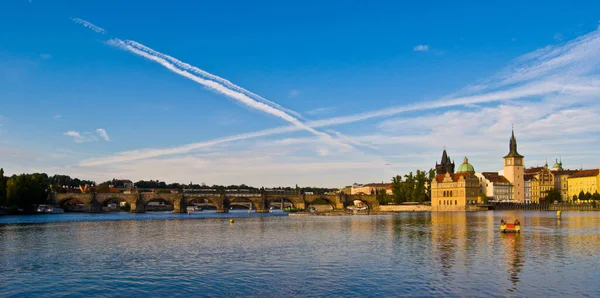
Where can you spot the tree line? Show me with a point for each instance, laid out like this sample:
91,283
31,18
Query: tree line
409,188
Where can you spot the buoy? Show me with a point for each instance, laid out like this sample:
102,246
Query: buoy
231,221
558,213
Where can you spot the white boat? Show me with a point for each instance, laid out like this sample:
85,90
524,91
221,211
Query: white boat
194,208
49,209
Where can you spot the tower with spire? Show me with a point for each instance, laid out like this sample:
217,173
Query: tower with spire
514,170
446,165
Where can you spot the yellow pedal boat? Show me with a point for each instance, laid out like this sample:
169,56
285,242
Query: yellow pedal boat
510,228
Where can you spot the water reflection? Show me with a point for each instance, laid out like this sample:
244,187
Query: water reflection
408,254
513,257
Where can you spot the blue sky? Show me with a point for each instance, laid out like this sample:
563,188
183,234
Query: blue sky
357,91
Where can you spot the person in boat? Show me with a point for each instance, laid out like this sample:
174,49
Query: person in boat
517,223
502,221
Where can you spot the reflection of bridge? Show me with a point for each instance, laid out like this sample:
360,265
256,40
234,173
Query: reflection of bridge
261,202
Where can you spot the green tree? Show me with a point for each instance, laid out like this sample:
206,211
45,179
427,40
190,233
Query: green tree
553,195
574,198
2,188
382,197
588,196
397,189
26,191
581,195
596,196
430,176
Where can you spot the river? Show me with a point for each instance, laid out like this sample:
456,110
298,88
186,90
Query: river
203,254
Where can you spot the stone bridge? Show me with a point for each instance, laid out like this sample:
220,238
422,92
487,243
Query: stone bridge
261,202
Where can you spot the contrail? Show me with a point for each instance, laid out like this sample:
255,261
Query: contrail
217,87
89,25
207,75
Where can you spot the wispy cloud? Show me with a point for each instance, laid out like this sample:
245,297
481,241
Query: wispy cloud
102,133
46,56
89,25
208,75
57,117
421,48
233,94
81,138
551,71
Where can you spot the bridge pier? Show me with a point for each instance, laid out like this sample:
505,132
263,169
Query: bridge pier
180,205
137,205
94,206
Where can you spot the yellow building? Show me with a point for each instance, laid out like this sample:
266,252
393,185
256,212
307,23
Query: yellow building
585,180
541,183
453,192
514,170
371,188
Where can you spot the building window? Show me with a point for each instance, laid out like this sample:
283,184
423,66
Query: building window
455,202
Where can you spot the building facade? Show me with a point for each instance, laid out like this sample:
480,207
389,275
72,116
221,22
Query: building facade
527,184
585,180
495,186
453,192
561,182
368,189
514,170
541,183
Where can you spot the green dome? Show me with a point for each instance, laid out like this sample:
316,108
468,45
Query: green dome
466,167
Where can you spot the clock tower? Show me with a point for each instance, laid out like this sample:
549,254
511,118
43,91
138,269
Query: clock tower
514,170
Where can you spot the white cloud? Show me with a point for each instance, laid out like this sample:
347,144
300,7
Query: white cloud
421,48
102,133
81,137
549,95
57,117
207,75
46,56
231,93
89,25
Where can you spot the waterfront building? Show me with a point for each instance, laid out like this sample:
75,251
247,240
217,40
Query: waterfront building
514,170
453,192
527,188
561,183
495,186
541,183
368,189
445,166
584,180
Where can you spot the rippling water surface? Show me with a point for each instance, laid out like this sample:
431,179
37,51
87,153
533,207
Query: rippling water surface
407,254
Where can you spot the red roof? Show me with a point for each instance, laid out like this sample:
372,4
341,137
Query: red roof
585,173
382,185
533,170
564,172
495,177
440,178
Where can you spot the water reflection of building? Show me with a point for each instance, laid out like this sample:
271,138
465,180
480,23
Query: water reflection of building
513,257
448,239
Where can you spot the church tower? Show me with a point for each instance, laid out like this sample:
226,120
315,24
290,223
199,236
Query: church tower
445,166
514,170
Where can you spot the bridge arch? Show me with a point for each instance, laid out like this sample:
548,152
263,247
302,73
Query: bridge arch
205,202
317,202
288,201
